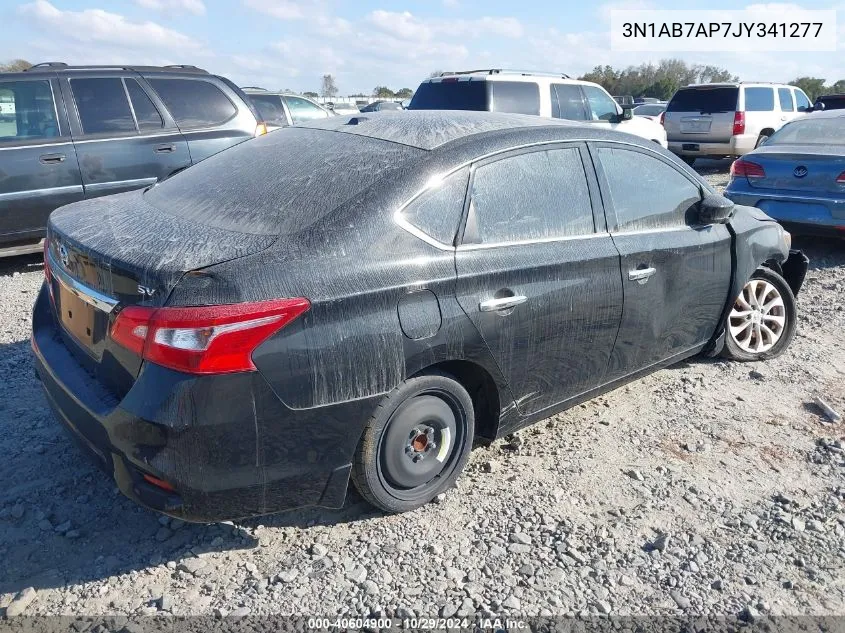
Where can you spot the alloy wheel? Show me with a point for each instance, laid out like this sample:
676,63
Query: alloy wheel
758,318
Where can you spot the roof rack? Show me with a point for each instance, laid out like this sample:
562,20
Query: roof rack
504,71
253,88
171,67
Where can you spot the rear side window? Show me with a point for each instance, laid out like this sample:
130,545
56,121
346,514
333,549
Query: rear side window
785,98
102,105
602,105
450,95
437,212
567,102
759,99
302,110
194,102
704,100
519,97
659,196
534,196
270,109
146,114
27,111
801,101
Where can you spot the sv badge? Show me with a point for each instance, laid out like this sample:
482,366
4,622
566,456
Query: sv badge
146,292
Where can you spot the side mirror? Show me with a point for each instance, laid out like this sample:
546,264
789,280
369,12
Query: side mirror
818,106
627,113
715,209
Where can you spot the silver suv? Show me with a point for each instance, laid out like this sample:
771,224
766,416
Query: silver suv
728,119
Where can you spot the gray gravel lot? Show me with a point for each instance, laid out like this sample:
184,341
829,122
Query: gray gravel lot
710,487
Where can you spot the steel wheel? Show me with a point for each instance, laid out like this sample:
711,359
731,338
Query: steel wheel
758,318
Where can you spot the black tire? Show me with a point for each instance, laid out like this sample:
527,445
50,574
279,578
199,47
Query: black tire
689,160
736,346
398,466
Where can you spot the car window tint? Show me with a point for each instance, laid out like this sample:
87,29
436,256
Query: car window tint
194,102
102,105
785,98
704,100
270,109
567,102
602,105
645,192
27,111
450,94
520,97
759,99
302,110
437,212
801,101
810,131
539,195
146,114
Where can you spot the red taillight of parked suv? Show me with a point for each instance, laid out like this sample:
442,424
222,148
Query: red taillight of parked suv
739,123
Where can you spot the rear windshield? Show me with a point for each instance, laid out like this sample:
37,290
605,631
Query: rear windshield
704,100
280,183
810,131
518,97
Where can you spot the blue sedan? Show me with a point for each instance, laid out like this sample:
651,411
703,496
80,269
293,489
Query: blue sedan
798,175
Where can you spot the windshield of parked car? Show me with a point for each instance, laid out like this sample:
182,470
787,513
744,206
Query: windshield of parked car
811,131
704,100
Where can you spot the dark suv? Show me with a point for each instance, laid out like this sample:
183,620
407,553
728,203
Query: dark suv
71,132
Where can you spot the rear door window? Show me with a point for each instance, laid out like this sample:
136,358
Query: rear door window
102,105
194,103
521,97
602,106
146,114
568,102
532,196
450,94
704,100
785,99
270,109
27,111
759,99
437,212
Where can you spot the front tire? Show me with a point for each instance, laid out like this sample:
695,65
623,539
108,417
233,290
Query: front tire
415,444
761,323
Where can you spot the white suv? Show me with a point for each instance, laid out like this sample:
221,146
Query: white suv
728,119
549,95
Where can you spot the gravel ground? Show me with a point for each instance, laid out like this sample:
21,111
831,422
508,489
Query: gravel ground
711,487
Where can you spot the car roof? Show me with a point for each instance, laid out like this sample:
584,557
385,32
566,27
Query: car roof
738,84
429,129
823,114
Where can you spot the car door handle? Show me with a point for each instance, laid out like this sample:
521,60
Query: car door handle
165,149
503,303
51,159
641,274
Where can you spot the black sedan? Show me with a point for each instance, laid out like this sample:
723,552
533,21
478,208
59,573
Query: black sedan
363,297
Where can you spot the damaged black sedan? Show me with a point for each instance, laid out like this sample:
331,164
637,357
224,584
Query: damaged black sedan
363,297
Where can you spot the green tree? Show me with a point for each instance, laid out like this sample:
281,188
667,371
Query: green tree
404,93
838,87
812,86
329,87
312,95
16,65
655,80
383,92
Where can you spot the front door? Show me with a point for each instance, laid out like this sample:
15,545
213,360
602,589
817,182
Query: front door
122,140
38,168
676,273
538,275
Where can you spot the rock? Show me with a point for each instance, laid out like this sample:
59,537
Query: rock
357,574
603,606
661,542
512,602
576,555
519,537
756,375
164,520
448,610
163,534
370,587
250,567
20,602
192,565
626,581
240,612
63,527
72,534
798,524
17,511
815,526
717,584
749,614
636,475
488,467
519,548
45,526
681,601
318,550
526,570
166,602
452,573
287,575
496,551
177,524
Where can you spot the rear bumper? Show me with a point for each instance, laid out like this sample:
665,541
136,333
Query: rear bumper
226,444
799,212
738,145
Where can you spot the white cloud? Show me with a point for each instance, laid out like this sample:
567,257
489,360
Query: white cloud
409,26
196,7
603,10
287,9
98,26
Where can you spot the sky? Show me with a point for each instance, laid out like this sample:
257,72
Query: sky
290,44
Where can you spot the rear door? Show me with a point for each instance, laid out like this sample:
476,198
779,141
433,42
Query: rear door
568,102
675,273
208,112
38,167
122,139
538,275
701,114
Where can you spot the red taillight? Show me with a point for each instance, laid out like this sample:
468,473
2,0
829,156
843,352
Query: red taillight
739,123
204,339
742,167
841,178
663,117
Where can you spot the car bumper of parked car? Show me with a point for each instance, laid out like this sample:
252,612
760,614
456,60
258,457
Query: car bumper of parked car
797,211
173,444
738,145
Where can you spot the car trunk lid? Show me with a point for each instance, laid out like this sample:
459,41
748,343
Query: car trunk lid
799,168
